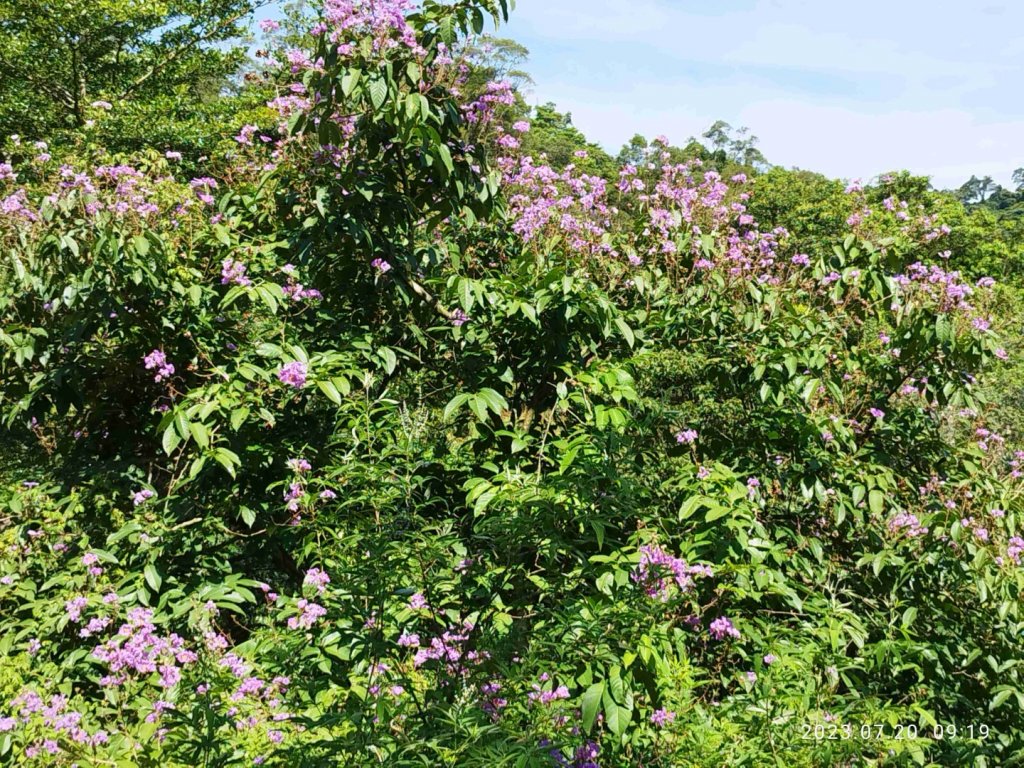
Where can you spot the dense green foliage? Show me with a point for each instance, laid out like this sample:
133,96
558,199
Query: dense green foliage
161,66
397,443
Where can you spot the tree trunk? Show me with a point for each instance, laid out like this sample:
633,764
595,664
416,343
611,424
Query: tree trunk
78,88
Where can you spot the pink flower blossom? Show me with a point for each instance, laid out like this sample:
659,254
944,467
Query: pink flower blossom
293,374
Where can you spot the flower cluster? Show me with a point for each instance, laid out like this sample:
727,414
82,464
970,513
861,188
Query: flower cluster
295,290
548,695
309,614
722,628
233,272
658,569
906,524
293,374
158,360
138,649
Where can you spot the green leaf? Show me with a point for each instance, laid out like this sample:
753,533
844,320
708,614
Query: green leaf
152,577
453,405
267,295
876,501
715,512
127,529
200,433
626,331
238,417
222,234
909,615
328,388
999,699
349,81
378,92
494,401
616,716
227,459
446,157
171,440
266,349
390,359
466,293
858,494
181,424
483,500
590,703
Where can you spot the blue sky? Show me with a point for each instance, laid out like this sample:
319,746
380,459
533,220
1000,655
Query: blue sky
850,89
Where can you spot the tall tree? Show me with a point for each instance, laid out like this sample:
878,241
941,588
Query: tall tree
738,145
58,57
976,190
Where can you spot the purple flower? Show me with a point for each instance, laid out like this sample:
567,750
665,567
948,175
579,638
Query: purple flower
140,496
245,135
74,607
310,613
232,271
722,628
318,578
292,496
417,601
299,465
877,413
293,374
156,359
458,318
546,697
380,265
658,569
907,523
687,436
769,659
662,717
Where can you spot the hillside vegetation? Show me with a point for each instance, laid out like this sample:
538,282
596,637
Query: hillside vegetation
355,413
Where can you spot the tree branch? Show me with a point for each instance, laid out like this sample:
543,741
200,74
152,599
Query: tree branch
182,50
